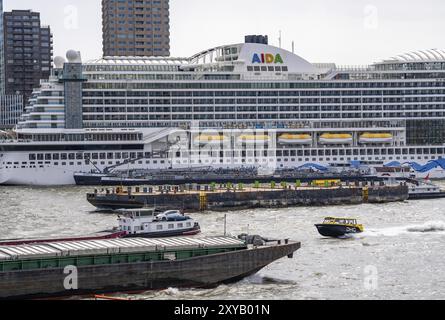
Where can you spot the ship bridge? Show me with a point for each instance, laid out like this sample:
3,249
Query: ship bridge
252,59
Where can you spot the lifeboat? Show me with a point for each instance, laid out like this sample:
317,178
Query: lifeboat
211,139
338,138
376,138
253,139
295,139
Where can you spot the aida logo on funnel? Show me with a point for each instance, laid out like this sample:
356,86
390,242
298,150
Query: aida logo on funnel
267,58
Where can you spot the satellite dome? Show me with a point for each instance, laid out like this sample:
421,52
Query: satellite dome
73,56
59,61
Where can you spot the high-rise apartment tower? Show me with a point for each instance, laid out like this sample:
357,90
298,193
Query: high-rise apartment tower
136,27
28,51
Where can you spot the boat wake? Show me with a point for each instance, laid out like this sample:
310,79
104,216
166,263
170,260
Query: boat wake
252,284
438,226
427,227
258,279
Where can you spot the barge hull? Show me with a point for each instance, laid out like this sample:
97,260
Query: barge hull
240,200
426,196
205,271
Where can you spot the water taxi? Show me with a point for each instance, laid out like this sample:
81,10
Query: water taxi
149,223
339,227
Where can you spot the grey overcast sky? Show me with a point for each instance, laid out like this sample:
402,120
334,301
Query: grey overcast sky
341,31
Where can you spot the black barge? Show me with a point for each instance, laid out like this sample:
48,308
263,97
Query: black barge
239,197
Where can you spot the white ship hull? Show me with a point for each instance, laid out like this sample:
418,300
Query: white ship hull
51,175
47,176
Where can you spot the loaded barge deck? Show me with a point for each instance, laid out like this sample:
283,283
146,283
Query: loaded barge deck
229,197
122,265
97,179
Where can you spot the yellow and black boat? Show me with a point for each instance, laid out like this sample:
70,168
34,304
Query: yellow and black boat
339,227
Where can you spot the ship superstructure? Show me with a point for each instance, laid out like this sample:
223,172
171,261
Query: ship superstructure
242,105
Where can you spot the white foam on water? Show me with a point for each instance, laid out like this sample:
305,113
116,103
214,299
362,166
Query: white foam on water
433,226
171,291
427,227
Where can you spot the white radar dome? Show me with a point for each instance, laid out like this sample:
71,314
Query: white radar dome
59,62
73,56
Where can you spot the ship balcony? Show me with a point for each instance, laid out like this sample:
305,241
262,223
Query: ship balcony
50,106
40,115
45,121
51,97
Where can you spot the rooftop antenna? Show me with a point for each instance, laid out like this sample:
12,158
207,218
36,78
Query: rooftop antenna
293,47
279,40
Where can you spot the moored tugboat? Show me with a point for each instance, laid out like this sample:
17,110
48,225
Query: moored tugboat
339,227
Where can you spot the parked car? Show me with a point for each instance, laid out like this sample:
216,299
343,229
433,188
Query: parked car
173,215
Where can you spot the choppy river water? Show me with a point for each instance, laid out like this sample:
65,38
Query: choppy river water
401,255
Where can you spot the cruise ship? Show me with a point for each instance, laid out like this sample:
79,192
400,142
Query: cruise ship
233,106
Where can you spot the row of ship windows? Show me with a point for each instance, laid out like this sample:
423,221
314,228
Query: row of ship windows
267,68
208,92
234,154
23,165
88,156
296,109
264,93
170,226
254,85
40,164
255,101
272,115
126,110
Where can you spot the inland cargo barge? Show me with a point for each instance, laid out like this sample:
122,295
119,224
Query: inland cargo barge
238,197
125,265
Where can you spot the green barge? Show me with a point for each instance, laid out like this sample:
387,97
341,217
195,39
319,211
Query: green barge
105,266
